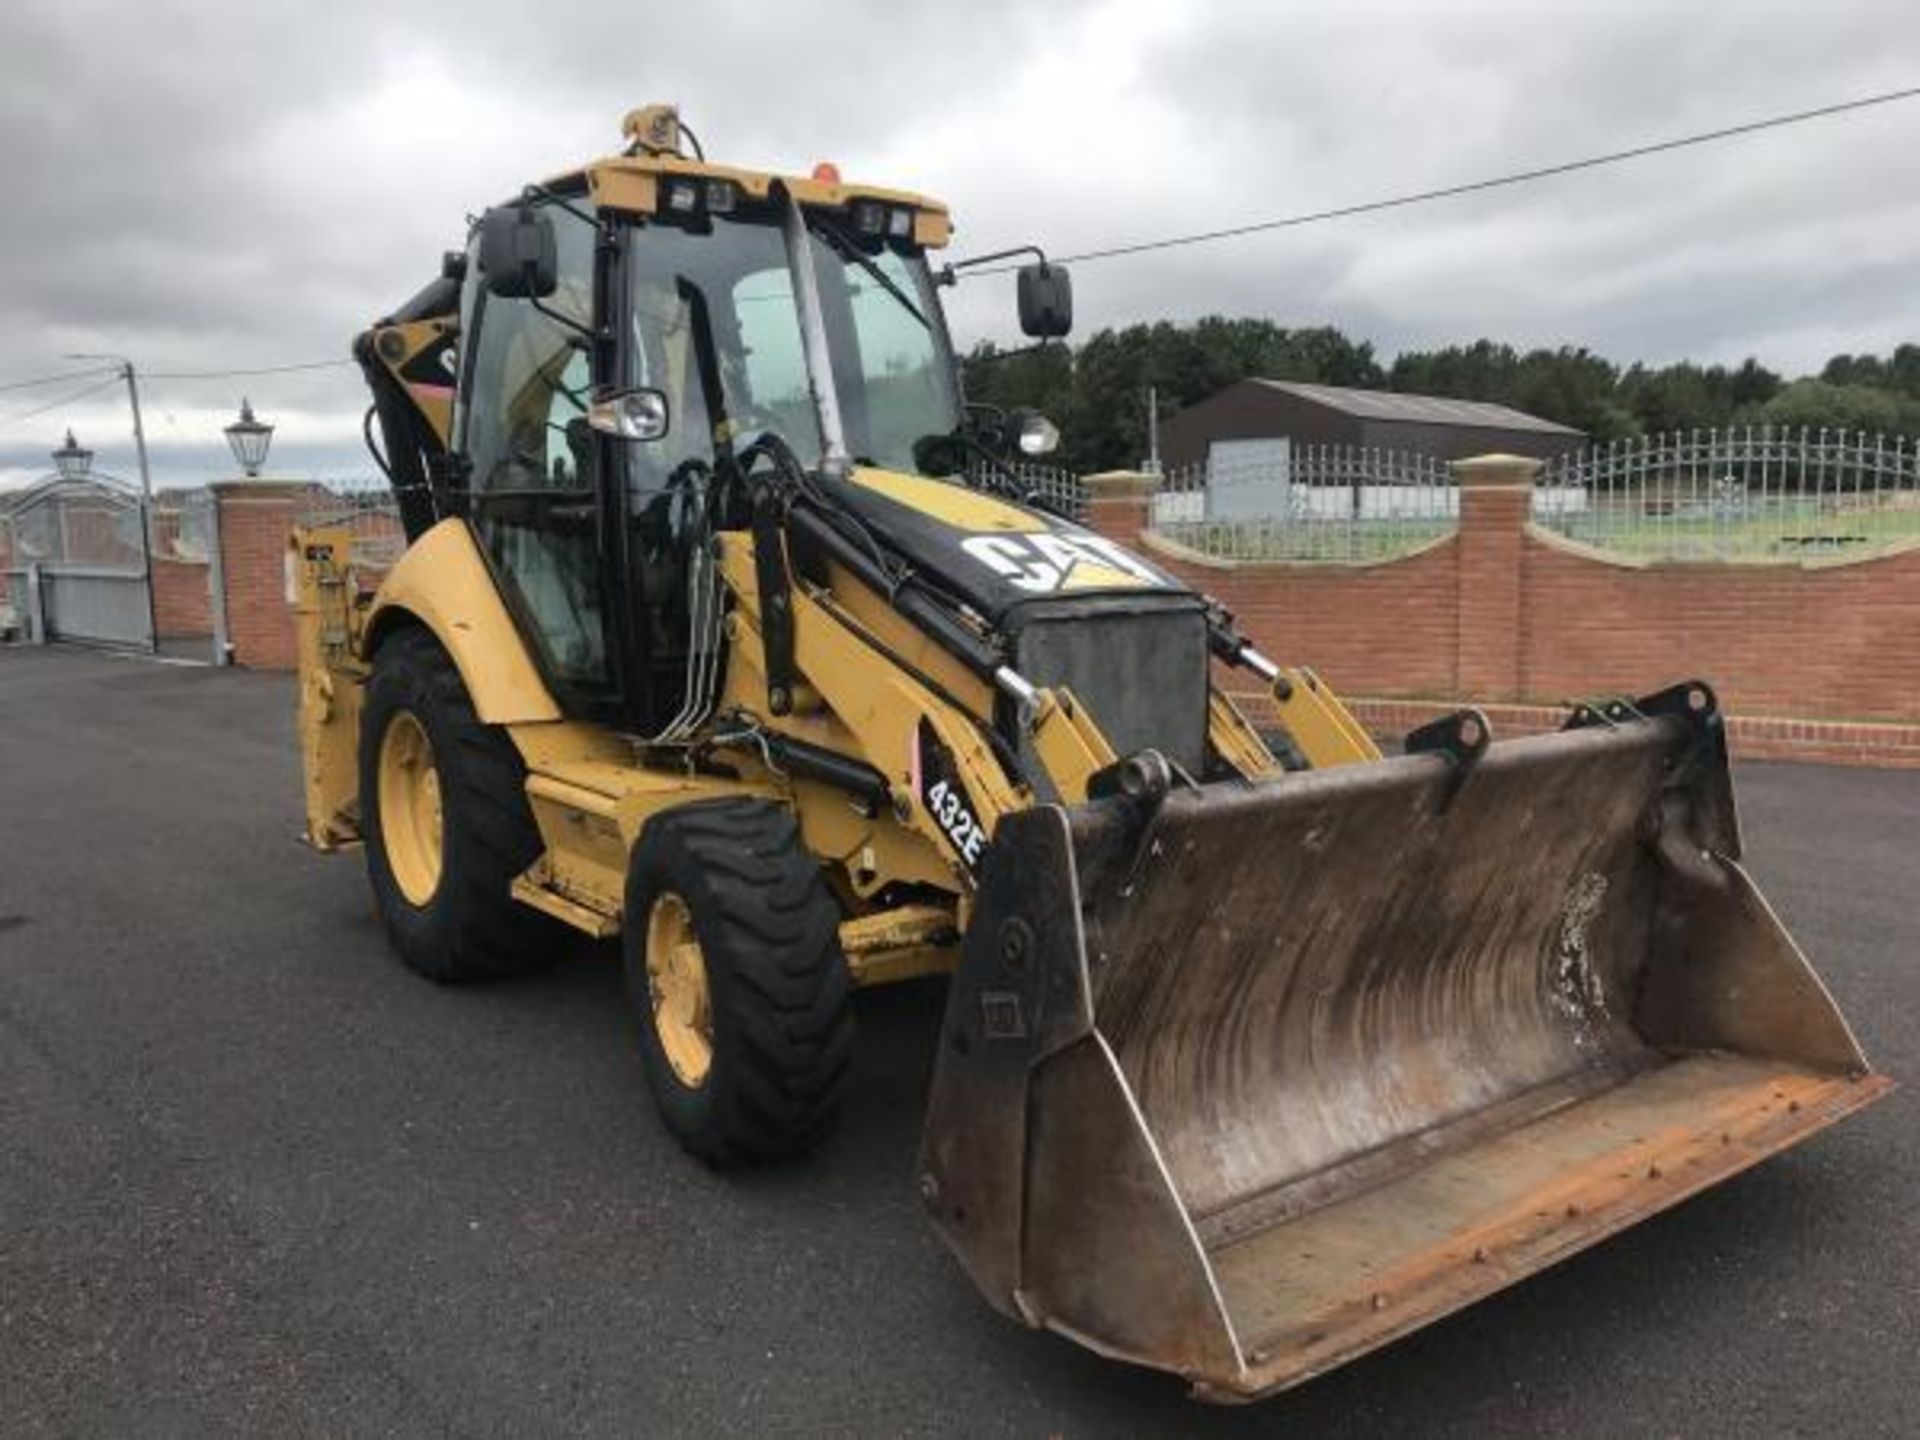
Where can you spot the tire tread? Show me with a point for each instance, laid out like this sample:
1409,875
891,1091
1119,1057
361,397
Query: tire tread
783,1020
473,928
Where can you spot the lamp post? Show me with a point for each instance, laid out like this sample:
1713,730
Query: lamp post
73,460
249,439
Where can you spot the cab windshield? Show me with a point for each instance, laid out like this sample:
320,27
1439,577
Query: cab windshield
714,323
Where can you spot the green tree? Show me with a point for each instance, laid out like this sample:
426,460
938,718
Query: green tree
1753,384
1572,386
1098,391
1484,370
1818,404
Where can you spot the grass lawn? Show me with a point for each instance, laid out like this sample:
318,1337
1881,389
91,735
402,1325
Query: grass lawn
1279,540
1781,532
1792,532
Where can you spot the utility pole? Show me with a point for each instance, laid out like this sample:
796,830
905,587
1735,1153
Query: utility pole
146,487
146,505
139,434
1153,430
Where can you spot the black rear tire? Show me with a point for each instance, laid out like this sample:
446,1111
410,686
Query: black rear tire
470,927
779,997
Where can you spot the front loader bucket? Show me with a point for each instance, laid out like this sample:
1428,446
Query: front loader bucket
1246,1083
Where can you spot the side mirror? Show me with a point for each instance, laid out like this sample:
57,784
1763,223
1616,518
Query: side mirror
517,253
1046,301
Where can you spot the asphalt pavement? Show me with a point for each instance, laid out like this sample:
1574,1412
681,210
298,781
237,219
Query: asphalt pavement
257,1178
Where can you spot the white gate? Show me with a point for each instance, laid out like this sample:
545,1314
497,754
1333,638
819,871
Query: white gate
1249,479
77,562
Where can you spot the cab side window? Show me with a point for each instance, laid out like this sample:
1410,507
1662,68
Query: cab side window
533,477
904,392
772,355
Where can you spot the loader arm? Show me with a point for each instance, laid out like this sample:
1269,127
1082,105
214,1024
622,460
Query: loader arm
881,690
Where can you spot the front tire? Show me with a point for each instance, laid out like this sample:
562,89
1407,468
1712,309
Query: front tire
444,815
739,988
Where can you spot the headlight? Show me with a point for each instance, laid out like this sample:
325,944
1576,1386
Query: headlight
1038,436
639,414
690,195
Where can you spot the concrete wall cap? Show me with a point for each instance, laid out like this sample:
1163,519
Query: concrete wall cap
1490,471
1120,485
264,489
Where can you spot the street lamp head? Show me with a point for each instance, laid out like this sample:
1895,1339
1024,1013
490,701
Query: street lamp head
72,459
249,439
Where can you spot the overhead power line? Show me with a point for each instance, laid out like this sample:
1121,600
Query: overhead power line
9,421
1496,182
1202,237
244,373
39,380
240,373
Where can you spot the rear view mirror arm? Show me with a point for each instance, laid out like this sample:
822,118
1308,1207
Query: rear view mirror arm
559,202
565,321
949,274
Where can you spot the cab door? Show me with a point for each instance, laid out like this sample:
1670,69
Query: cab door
534,467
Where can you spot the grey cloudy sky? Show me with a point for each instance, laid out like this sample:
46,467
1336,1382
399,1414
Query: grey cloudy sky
205,185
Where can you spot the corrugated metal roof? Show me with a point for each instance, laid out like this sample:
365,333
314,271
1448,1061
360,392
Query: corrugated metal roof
1420,409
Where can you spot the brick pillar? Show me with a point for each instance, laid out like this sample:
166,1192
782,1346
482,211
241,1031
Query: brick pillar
1120,503
255,517
1496,501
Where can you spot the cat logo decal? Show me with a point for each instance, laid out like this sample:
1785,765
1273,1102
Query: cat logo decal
1044,564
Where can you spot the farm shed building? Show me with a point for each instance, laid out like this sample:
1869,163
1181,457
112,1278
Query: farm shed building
1237,420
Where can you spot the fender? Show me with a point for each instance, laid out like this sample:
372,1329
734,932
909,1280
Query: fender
443,583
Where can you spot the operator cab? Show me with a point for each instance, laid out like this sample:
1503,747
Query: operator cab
629,334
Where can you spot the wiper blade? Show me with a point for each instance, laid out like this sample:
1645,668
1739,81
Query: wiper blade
840,241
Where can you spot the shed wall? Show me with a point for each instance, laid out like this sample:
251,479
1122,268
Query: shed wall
1248,410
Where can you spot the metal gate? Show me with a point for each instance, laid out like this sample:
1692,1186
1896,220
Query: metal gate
183,537
77,562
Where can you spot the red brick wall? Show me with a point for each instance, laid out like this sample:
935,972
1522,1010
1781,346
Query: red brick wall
1375,629
1817,662
1491,591
1838,640
181,602
1389,629
255,520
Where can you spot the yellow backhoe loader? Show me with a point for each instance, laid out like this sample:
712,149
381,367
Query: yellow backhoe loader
725,626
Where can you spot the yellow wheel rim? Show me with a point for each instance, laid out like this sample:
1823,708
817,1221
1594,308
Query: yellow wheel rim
412,826
677,984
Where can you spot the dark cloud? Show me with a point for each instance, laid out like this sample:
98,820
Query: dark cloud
204,185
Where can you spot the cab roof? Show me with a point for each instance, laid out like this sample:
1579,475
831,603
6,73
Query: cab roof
632,185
